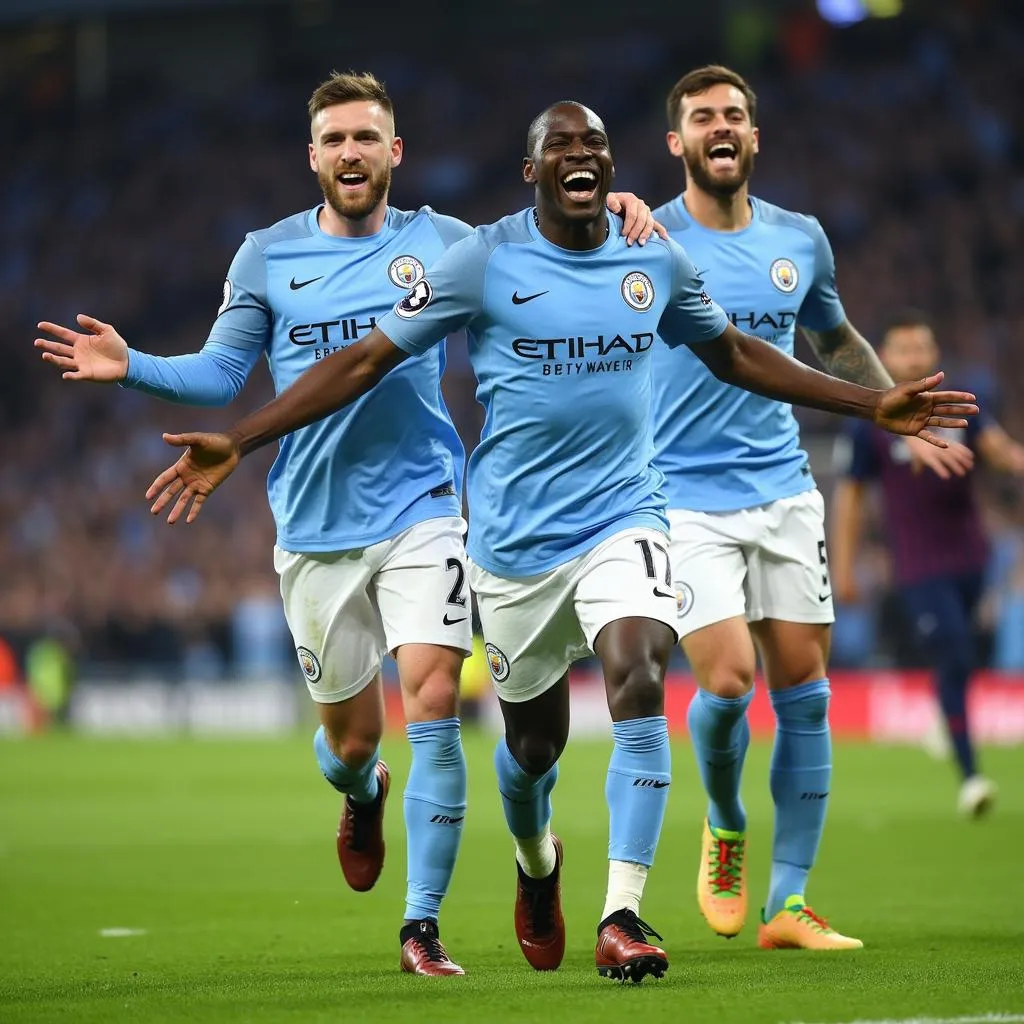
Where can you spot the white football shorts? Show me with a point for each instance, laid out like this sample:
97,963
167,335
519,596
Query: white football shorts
767,562
347,609
536,626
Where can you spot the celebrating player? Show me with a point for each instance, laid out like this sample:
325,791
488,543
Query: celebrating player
748,539
368,503
568,536
940,557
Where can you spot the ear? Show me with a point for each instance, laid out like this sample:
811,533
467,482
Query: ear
675,143
314,164
757,140
529,171
397,150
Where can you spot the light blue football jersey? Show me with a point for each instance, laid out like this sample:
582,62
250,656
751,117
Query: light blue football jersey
561,345
722,448
392,458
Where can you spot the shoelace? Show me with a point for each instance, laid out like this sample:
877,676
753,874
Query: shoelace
542,907
362,817
431,945
813,919
726,865
638,930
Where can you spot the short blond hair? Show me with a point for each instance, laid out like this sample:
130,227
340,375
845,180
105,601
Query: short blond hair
350,87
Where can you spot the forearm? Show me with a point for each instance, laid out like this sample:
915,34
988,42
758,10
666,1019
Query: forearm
213,376
326,387
760,367
848,355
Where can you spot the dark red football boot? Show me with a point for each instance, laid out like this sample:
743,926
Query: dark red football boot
540,927
623,952
361,836
422,952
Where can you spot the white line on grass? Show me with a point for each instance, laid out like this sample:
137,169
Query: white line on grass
125,933
988,1018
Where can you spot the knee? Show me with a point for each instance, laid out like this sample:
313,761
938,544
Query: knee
433,695
534,753
636,690
728,680
353,747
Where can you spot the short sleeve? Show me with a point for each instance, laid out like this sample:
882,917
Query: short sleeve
244,319
446,300
449,229
691,316
821,309
855,455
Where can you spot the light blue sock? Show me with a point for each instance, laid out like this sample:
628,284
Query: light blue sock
526,798
435,806
639,774
800,776
720,735
358,783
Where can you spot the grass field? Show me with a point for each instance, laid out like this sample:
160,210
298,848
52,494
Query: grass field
219,856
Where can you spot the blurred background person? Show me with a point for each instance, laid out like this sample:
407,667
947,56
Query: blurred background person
938,541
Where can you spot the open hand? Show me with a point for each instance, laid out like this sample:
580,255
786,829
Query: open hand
101,355
956,460
208,461
912,407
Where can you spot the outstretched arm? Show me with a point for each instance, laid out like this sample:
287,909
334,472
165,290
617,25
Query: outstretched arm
909,408
324,388
848,355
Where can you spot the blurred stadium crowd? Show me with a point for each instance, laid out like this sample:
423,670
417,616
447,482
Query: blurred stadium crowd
902,137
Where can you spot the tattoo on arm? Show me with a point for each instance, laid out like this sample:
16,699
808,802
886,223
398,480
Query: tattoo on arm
847,354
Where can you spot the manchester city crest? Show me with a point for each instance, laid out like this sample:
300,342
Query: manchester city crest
784,275
405,271
498,663
309,664
638,291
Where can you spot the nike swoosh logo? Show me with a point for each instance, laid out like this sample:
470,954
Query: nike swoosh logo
452,622
661,785
701,273
664,593
296,285
823,597
518,300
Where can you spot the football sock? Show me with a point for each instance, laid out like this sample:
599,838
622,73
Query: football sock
637,787
358,783
720,735
435,807
952,677
801,771
526,800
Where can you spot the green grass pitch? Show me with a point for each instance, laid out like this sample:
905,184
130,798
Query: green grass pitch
220,855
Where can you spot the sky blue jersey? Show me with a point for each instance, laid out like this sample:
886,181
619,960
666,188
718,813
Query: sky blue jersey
296,294
722,448
561,344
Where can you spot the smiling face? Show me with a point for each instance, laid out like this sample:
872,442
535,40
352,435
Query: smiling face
570,163
353,150
715,139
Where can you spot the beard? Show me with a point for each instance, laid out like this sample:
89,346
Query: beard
358,206
724,186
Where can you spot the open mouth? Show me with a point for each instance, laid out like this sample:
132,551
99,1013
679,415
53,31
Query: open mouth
723,154
351,180
580,186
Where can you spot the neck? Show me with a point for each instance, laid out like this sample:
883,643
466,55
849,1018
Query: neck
720,213
579,235
333,223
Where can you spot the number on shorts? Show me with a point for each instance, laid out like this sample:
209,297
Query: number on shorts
823,558
645,549
456,595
